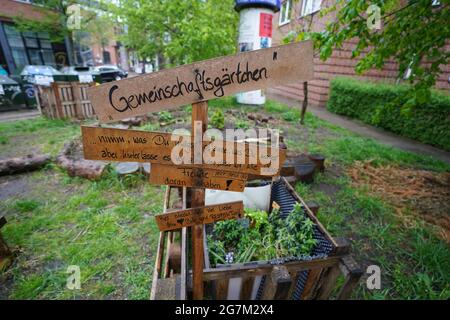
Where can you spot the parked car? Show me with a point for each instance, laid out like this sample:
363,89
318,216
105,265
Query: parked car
82,74
111,73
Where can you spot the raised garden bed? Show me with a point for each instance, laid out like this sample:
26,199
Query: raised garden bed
309,276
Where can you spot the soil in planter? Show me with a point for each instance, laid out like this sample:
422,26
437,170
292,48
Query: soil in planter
262,236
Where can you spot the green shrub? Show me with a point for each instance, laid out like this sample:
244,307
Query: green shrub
382,105
218,119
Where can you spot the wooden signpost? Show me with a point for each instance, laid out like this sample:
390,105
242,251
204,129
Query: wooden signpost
187,176
112,144
202,81
193,84
199,216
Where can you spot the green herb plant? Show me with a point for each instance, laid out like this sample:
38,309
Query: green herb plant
261,236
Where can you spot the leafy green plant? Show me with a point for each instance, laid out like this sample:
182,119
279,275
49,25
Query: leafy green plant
218,119
242,124
165,116
262,236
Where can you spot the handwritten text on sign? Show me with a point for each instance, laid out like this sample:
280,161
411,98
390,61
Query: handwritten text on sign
204,80
201,215
111,144
185,176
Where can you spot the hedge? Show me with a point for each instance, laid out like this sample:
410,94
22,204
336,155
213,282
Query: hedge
381,104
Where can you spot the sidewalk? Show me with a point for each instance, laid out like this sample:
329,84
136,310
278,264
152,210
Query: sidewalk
368,131
19,115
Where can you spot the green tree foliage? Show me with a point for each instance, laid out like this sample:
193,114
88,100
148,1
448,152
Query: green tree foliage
60,19
178,31
413,33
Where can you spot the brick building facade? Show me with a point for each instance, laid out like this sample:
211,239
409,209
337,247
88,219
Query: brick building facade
295,15
18,49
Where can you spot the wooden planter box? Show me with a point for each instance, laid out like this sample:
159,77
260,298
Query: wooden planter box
313,277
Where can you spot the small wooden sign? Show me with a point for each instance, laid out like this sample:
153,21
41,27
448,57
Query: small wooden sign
112,144
202,81
187,176
200,215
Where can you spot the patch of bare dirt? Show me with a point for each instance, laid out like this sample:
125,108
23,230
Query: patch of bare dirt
15,185
424,193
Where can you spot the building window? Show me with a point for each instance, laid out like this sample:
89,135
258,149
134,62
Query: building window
106,57
29,47
285,12
310,6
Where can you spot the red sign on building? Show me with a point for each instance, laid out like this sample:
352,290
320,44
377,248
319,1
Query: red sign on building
265,25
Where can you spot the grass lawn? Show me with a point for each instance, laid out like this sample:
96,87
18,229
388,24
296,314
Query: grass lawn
106,227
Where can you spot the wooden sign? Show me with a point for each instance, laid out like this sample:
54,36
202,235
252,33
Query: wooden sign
200,215
201,81
186,176
111,144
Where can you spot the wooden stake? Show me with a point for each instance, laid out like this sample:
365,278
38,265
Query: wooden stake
305,102
199,113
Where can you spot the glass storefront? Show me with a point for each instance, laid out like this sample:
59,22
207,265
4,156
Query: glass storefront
29,47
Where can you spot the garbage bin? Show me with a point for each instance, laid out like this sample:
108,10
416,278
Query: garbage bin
11,95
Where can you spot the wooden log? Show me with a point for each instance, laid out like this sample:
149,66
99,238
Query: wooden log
79,167
277,284
352,273
23,164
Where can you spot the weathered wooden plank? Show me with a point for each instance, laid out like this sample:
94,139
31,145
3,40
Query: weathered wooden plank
247,288
166,288
329,282
199,116
186,176
199,215
124,145
204,80
221,289
310,284
262,268
277,284
352,273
